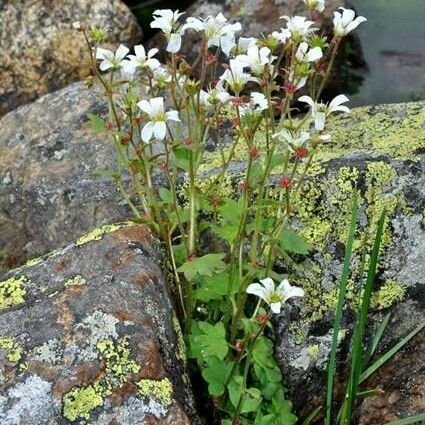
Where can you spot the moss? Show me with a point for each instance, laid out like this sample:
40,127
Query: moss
12,292
388,294
161,391
98,233
80,402
76,281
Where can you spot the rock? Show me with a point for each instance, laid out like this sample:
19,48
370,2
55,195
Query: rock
41,52
381,149
49,190
88,335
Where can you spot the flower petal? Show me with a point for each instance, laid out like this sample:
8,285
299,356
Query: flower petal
173,115
174,43
140,51
121,52
145,106
306,99
319,121
160,130
268,283
276,307
147,131
258,290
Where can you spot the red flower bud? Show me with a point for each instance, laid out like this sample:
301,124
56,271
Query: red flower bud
237,101
238,346
187,141
191,256
289,88
254,152
110,125
285,182
235,122
137,119
243,186
301,153
262,319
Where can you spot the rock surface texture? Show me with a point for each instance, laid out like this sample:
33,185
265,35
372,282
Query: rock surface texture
381,150
49,190
88,335
41,52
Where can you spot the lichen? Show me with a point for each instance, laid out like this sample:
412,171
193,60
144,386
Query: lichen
388,294
80,402
49,352
98,233
76,281
161,391
12,292
14,352
181,347
313,351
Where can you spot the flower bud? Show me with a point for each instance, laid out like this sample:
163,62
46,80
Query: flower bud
301,152
285,182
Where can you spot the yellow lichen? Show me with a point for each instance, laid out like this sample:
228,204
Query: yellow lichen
12,292
161,390
14,353
98,233
76,281
389,293
80,402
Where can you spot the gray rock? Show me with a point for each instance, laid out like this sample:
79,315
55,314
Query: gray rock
49,189
88,335
41,52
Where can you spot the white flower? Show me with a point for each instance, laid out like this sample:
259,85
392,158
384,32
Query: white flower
167,21
214,96
111,59
144,61
257,104
218,31
273,296
304,54
158,118
256,58
244,43
299,26
76,25
294,141
236,77
161,76
318,5
319,111
344,22
297,81
282,35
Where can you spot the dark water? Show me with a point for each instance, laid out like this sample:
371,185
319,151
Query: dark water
393,43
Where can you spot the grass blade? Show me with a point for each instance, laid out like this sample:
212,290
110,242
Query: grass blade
376,338
339,308
356,360
385,357
312,416
416,419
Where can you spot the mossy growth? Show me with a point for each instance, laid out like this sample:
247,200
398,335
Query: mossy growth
12,292
313,351
98,233
181,347
161,390
388,294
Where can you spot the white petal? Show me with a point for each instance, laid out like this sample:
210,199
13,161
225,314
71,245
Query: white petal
275,307
284,286
227,44
157,105
147,131
268,283
121,52
336,101
152,52
145,106
258,290
174,43
306,99
160,130
294,292
140,51
173,115
314,54
319,121
103,53
106,65
153,63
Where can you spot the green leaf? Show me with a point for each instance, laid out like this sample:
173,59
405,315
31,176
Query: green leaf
277,159
97,124
415,419
262,352
231,211
216,374
251,397
182,158
293,242
203,266
211,341
228,232
215,287
165,195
